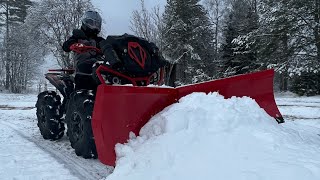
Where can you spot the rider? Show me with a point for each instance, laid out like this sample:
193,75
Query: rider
88,35
90,28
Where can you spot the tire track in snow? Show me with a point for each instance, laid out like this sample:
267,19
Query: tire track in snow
293,118
77,166
293,105
287,106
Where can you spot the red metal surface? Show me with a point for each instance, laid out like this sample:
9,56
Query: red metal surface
119,110
122,109
258,86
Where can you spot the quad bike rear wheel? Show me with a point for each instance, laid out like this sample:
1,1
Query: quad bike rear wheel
78,118
49,115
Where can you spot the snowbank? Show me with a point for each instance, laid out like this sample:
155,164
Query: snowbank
209,137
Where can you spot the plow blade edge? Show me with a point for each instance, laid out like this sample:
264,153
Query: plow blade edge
120,110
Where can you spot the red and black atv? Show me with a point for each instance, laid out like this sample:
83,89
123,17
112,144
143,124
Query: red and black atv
97,119
140,66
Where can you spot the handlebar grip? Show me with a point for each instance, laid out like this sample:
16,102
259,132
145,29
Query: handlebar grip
81,48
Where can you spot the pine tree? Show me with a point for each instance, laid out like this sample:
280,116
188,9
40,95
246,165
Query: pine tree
13,13
188,39
307,83
275,49
238,53
290,38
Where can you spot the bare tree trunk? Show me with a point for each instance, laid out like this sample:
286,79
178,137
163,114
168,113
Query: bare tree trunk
7,84
215,14
255,5
26,76
284,77
170,77
284,81
317,28
217,30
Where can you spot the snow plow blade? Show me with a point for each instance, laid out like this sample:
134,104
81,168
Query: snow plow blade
120,110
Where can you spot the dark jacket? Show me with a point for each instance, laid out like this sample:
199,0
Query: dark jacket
76,37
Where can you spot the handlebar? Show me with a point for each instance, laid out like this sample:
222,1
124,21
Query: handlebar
61,70
81,48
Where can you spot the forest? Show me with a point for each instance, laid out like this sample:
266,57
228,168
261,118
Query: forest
203,40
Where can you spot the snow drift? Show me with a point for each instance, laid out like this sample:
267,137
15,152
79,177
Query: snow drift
209,137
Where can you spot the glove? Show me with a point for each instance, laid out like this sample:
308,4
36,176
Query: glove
79,34
109,53
104,45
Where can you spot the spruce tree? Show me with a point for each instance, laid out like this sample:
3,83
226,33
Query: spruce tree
13,13
238,53
307,83
290,39
188,38
275,48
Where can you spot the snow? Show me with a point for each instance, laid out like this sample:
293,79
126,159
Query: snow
301,108
201,137
36,163
24,154
209,137
20,158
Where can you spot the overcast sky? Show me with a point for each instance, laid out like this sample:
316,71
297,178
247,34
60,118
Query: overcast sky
117,13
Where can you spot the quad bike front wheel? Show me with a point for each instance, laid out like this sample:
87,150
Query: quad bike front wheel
49,115
78,118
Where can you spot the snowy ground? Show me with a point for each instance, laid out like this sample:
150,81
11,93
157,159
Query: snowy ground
240,147
25,155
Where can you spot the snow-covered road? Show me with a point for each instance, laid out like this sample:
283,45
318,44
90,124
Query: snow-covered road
22,159
304,108
25,155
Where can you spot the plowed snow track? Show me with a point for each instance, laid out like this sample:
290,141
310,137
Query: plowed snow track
21,119
79,167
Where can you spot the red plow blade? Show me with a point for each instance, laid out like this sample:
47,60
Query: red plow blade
120,110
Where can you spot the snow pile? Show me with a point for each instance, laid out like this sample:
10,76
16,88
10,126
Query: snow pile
209,137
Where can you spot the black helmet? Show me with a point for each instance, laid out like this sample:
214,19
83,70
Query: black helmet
91,22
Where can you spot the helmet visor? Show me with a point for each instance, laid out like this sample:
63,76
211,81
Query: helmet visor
92,24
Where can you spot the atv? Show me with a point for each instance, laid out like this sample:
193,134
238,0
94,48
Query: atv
126,97
77,106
